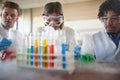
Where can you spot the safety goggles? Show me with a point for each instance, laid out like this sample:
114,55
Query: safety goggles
56,20
113,18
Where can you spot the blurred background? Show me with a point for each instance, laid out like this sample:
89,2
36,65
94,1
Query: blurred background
80,15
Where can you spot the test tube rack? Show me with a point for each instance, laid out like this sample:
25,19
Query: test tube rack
44,51
47,62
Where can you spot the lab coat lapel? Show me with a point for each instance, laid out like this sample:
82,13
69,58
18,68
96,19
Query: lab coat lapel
117,53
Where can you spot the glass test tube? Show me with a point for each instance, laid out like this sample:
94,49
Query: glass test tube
36,43
31,42
44,51
64,48
40,50
52,50
27,49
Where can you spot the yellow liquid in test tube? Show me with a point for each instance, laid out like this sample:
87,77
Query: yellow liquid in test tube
44,56
44,47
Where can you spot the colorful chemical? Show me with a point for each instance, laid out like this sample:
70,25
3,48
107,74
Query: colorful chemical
64,65
47,52
28,60
45,64
36,47
32,49
44,47
52,49
86,58
51,64
36,64
32,63
36,52
40,49
63,58
44,51
63,48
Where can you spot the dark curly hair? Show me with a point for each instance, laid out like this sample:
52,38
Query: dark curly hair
108,5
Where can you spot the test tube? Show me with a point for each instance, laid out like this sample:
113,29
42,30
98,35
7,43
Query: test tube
64,49
52,50
44,47
44,51
36,43
31,42
36,46
40,43
64,65
40,50
58,50
27,49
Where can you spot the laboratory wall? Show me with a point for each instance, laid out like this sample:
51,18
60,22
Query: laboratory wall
81,16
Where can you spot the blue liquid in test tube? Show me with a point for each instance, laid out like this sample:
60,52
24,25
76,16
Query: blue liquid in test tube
63,58
32,49
32,63
40,60
32,52
64,65
63,48
40,49
32,55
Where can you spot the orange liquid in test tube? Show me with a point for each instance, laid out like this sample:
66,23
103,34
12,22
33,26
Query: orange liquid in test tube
36,54
36,64
36,47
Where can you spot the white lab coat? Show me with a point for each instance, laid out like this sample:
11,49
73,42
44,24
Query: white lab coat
104,48
70,36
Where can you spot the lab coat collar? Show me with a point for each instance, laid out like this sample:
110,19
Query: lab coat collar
109,34
6,31
3,28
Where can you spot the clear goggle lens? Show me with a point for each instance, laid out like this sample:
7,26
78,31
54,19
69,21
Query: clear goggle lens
113,18
56,20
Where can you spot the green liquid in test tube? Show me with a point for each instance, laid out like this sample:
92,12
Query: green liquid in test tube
86,59
28,56
27,49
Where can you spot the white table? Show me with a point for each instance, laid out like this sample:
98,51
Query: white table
96,71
